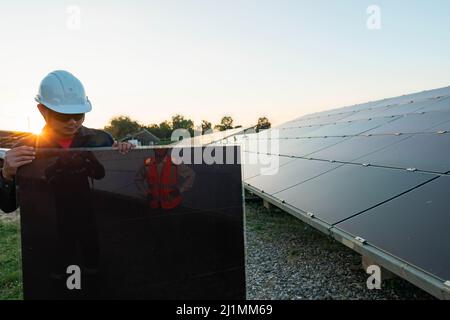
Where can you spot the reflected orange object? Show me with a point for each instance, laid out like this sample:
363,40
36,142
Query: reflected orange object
162,186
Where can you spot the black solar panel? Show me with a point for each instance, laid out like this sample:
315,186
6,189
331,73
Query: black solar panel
412,227
442,127
414,123
254,164
404,108
298,132
293,173
441,105
333,129
362,126
367,113
357,147
304,147
342,128
105,214
427,151
426,105
349,190
325,119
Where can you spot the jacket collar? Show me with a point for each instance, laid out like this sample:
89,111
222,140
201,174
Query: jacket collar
47,139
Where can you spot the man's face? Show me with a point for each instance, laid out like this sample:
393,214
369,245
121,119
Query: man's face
64,124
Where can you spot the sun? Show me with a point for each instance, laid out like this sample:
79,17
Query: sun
35,126
35,131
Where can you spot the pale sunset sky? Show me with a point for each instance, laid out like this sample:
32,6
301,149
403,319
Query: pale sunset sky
206,59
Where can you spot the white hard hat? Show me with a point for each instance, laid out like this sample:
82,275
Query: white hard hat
62,92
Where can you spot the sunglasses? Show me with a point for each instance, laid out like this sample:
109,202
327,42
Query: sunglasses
62,117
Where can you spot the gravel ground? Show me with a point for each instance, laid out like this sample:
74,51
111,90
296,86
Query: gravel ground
287,259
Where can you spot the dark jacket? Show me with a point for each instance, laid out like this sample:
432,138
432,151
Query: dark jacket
84,138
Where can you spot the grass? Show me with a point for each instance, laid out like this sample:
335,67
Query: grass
10,270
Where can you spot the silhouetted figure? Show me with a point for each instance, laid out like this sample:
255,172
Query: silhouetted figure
164,182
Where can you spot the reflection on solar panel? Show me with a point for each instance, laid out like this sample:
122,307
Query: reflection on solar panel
375,176
211,137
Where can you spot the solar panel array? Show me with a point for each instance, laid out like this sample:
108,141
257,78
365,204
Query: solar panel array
378,171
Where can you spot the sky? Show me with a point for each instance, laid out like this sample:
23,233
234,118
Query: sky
206,59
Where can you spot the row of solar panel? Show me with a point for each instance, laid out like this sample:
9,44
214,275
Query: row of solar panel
429,104
438,103
420,96
385,179
354,175
409,123
338,193
403,213
423,152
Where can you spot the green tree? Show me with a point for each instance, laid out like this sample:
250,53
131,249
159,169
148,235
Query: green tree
263,124
162,130
206,126
121,126
225,124
180,122
165,129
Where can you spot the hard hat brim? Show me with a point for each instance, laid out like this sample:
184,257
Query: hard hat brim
67,109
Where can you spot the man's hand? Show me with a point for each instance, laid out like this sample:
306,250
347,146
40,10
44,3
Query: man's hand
16,158
123,147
